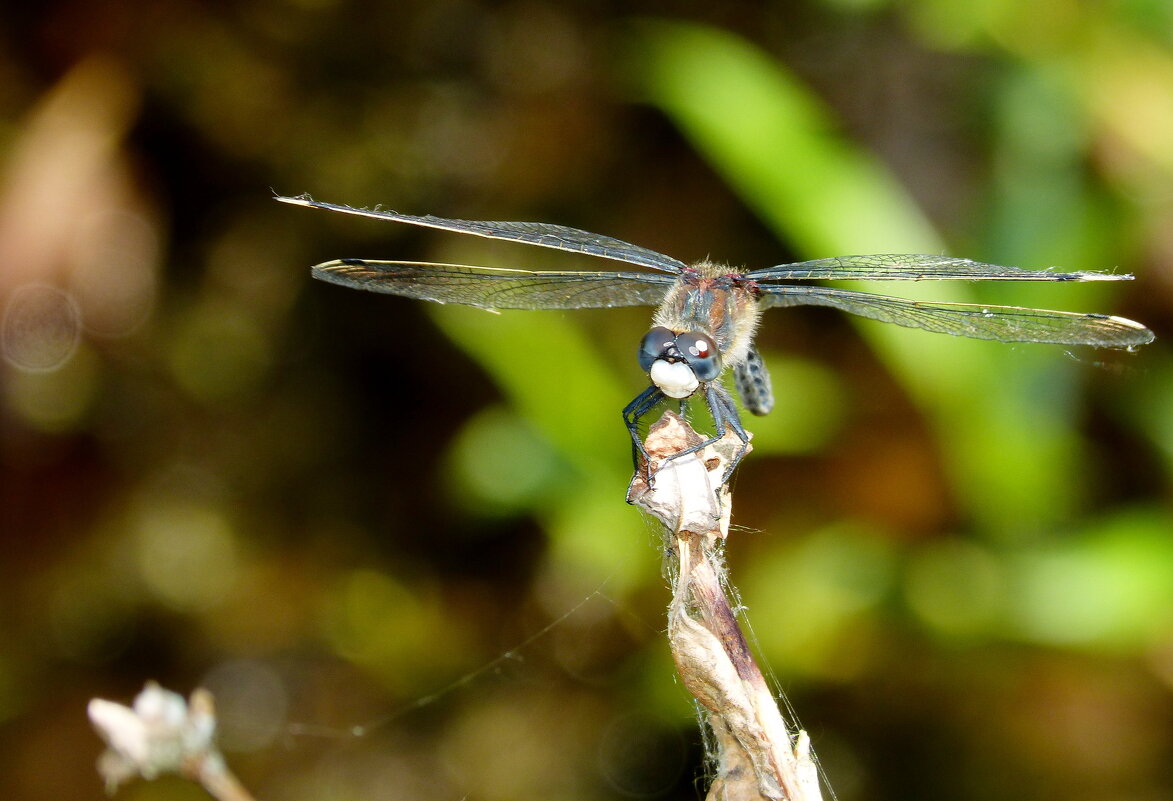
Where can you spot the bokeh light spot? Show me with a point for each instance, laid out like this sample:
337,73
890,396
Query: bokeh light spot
807,597
395,631
114,276
40,328
251,704
955,587
218,353
1111,588
56,400
499,464
186,554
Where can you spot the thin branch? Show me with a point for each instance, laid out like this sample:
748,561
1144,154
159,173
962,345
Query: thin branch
758,755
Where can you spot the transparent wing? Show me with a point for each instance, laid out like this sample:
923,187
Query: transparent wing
1003,323
492,288
914,267
545,235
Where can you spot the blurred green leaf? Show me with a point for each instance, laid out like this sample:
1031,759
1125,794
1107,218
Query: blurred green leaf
821,593
771,138
1109,588
498,465
550,372
807,413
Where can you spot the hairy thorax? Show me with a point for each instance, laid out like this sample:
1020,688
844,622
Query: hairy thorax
713,299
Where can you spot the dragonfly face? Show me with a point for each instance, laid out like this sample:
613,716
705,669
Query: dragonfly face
707,314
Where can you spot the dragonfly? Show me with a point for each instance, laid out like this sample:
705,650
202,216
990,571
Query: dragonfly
707,313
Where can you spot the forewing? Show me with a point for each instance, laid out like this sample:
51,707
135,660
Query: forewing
491,288
917,267
545,235
1003,323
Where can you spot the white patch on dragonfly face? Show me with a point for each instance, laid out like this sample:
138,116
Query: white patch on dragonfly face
675,379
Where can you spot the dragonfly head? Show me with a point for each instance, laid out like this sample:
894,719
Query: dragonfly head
677,362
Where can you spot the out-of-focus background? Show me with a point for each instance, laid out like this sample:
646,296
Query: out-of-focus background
338,509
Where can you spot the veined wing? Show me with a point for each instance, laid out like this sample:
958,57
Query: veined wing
1003,323
917,267
545,235
493,288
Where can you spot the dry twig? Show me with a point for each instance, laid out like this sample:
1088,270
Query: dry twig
758,757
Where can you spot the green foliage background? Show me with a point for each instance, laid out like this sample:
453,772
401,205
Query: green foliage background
391,537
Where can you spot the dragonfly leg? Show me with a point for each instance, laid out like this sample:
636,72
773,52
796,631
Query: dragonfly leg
643,403
725,416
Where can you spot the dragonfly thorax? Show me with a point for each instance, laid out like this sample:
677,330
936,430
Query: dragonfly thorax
714,299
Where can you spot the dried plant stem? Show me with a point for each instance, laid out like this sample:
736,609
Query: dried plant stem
758,757
218,780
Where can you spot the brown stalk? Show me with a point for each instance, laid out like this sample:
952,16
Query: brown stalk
758,755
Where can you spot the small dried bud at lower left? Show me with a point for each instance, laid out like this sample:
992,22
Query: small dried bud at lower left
161,733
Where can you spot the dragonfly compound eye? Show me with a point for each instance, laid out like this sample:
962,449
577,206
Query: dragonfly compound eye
700,352
658,343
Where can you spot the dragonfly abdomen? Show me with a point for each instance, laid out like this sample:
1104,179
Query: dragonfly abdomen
753,383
